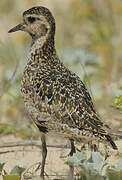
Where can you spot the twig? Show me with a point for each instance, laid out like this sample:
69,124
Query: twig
7,152
14,151
39,145
116,133
31,143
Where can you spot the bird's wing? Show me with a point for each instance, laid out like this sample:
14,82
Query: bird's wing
69,102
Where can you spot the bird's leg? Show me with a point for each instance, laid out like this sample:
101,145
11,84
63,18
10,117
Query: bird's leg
71,173
44,155
72,148
93,146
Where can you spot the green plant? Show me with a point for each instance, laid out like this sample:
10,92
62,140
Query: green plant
92,168
118,102
1,167
15,173
115,172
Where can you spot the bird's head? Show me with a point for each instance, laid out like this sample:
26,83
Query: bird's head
38,22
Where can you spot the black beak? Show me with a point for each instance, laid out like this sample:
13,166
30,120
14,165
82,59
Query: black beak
16,28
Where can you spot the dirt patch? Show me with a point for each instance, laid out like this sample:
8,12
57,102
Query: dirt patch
29,156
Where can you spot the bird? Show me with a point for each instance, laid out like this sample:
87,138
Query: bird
55,98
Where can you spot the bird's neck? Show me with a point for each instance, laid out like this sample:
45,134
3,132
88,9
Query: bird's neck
43,47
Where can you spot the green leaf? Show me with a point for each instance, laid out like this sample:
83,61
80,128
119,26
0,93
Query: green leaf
77,159
118,102
114,175
95,158
18,170
96,163
1,167
11,177
119,164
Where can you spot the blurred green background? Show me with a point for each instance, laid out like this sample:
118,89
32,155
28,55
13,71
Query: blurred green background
88,41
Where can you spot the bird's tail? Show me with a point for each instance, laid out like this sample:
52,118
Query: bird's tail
114,146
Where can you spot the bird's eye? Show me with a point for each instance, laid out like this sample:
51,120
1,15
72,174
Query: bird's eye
31,19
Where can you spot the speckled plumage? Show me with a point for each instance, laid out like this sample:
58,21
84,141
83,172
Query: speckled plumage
56,98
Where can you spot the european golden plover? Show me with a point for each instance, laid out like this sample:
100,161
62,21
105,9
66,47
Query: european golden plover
55,98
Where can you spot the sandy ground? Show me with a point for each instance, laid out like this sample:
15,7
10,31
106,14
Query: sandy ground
32,155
